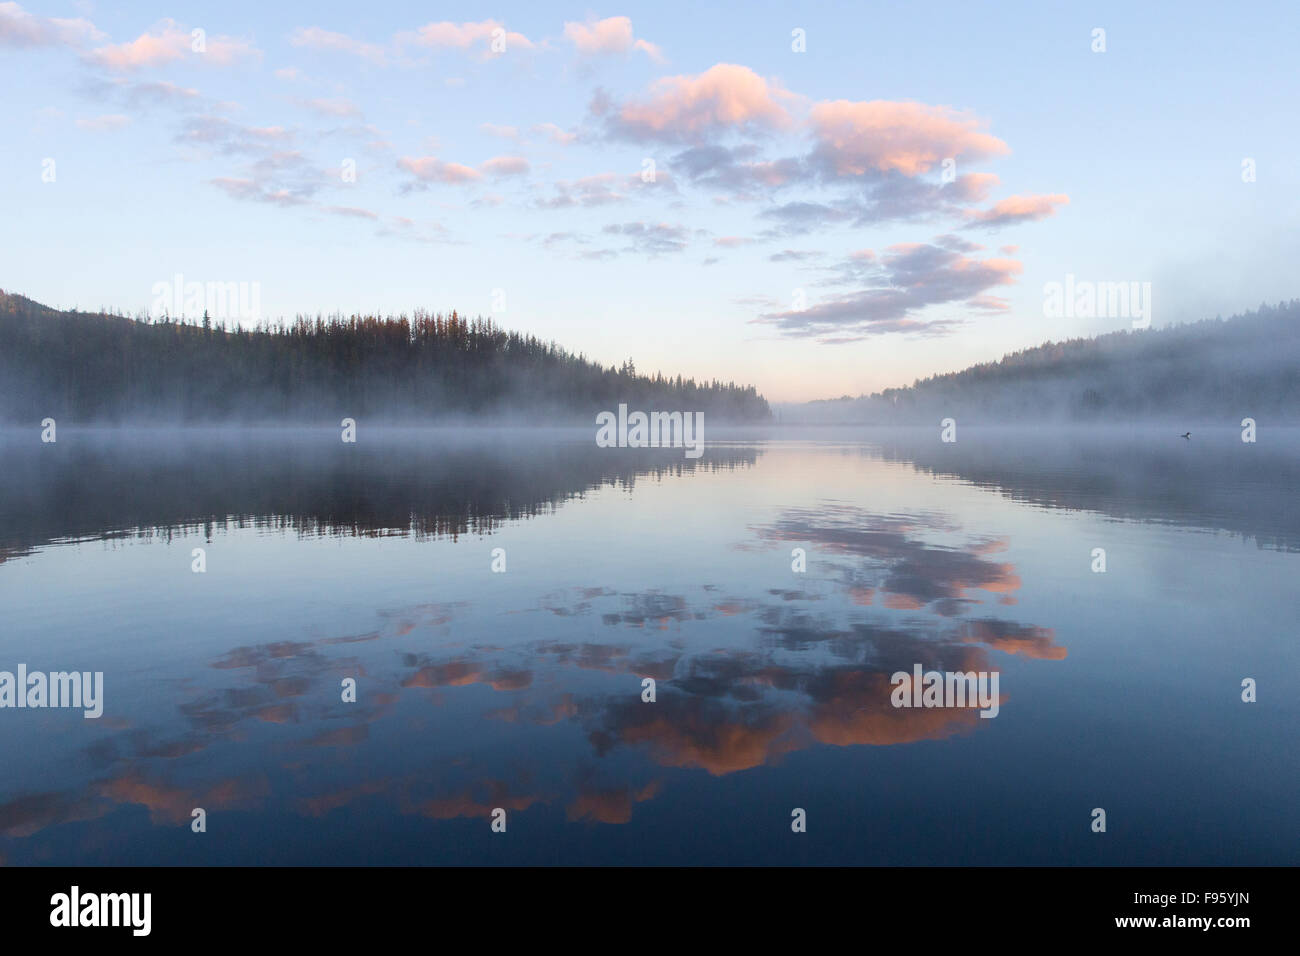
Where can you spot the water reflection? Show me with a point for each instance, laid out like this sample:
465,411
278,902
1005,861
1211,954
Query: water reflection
1215,481
427,483
523,691
722,710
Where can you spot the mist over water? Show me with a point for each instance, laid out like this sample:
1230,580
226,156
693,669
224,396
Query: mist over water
426,482
521,688
1212,372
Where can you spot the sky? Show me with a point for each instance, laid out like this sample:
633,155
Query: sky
818,199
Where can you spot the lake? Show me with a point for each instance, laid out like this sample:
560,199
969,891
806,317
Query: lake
499,597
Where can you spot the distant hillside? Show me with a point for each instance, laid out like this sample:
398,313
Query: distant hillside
93,367
1216,370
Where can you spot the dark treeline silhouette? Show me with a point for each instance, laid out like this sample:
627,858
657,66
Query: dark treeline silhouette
100,367
156,484
1215,370
1215,482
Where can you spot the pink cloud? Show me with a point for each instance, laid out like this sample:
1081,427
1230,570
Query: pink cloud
974,187
611,35
149,49
554,133
856,138
430,169
167,42
989,303
463,36
684,108
1016,209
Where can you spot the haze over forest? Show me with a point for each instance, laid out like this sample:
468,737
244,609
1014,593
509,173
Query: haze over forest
102,368
1216,370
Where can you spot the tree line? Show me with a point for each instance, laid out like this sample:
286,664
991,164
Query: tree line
1212,370
106,367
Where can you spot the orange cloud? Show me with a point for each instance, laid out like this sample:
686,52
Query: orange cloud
452,674
854,708
1038,643
855,138
609,806
719,746
172,805
467,805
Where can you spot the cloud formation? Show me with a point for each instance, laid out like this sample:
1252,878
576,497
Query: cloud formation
430,169
225,136
857,138
465,36
650,238
168,42
906,279
505,166
881,161
21,29
611,35
1015,209
685,109
604,189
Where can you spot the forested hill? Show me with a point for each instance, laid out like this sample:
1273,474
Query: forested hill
100,368
1216,370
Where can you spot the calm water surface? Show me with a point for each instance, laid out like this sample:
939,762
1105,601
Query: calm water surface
522,690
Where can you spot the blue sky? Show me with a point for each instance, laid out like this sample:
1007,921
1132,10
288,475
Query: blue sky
799,233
